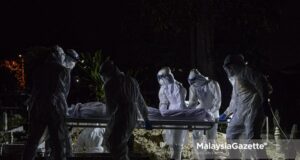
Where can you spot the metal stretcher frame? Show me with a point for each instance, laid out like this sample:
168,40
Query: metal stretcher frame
156,123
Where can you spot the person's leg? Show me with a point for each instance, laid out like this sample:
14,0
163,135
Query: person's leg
197,140
117,140
57,132
212,133
177,150
179,137
211,138
36,131
233,133
68,144
253,135
119,146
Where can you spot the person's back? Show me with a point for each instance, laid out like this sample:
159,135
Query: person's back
250,91
123,101
125,92
248,85
48,104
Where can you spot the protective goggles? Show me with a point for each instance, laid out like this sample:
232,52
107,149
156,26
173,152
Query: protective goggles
191,81
163,76
76,57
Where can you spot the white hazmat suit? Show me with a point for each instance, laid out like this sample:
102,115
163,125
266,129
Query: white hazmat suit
172,97
90,140
204,94
48,104
249,96
124,102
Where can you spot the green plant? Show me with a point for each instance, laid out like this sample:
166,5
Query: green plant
90,67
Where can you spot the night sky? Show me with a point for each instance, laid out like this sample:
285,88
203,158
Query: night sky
126,32
84,26
88,26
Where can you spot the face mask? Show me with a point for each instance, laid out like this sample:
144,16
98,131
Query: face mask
162,82
229,71
69,63
165,79
231,80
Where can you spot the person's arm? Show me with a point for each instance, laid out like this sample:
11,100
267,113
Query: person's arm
111,105
142,107
193,100
163,101
215,89
231,108
141,103
183,96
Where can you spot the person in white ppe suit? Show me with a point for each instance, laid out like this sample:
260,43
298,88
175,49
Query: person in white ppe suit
204,93
171,97
124,102
48,104
90,140
249,97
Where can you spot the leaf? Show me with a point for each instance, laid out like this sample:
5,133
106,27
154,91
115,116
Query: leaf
90,69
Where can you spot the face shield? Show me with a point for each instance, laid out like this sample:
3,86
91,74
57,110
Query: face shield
231,80
165,76
58,55
228,70
196,76
71,58
233,64
107,70
165,79
69,62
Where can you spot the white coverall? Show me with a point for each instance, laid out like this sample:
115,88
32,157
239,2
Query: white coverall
90,140
249,91
207,95
172,97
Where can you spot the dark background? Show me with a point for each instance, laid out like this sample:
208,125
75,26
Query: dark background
145,35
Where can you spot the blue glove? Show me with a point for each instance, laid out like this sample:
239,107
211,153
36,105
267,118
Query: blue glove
223,117
148,125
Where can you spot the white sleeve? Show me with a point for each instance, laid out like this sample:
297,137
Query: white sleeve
230,109
163,101
142,107
183,96
193,100
215,89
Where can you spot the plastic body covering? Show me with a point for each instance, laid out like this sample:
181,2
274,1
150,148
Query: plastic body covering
48,105
90,140
249,93
172,97
124,102
205,96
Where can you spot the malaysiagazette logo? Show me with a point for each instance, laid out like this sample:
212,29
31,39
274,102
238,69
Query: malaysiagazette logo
226,146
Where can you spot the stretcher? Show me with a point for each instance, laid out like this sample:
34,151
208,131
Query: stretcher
167,123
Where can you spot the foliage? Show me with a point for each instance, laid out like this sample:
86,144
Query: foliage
152,144
90,68
13,121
